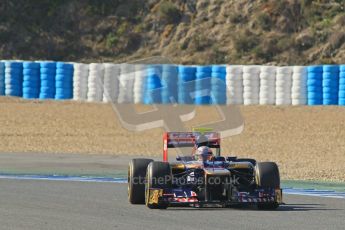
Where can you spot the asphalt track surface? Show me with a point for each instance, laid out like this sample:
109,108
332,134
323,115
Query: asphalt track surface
30,204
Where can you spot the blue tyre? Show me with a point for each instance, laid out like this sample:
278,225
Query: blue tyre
341,101
48,65
12,71
64,78
315,102
341,94
63,84
31,65
63,65
330,102
203,69
330,90
13,81
186,70
28,90
31,71
206,100
48,77
342,68
31,78
313,82
331,68
315,95
64,71
186,77
12,92
342,81
315,88
45,83
31,84
48,71
47,90
46,96
330,83
11,64
330,96
315,69
219,69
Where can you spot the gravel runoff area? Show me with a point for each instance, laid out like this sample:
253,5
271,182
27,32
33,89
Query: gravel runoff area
306,142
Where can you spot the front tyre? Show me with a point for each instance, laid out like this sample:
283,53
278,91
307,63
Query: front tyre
267,176
136,180
158,176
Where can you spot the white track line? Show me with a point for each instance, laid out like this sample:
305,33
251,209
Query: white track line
291,191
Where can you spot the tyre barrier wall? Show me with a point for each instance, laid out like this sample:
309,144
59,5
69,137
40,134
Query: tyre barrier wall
111,82
330,84
63,81
47,78
299,85
80,81
267,94
218,84
2,78
314,84
138,86
126,83
95,83
14,78
31,80
186,84
234,83
167,84
341,95
153,85
202,94
251,85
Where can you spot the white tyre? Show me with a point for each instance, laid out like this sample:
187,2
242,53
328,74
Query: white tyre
284,70
299,69
251,76
251,83
268,69
251,101
95,67
234,69
251,69
283,102
299,101
284,78
266,101
283,84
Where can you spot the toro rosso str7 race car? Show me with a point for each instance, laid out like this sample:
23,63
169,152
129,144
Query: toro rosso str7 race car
203,178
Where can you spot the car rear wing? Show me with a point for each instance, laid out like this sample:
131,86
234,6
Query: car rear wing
189,139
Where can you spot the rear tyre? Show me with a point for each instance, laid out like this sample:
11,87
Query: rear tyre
158,176
136,180
267,176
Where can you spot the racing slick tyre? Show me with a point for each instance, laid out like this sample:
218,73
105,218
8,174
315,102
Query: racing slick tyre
158,176
136,180
267,176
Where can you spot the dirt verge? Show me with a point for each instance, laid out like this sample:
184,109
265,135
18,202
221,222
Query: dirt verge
306,142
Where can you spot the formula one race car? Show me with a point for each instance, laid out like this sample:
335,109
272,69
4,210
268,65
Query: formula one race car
202,179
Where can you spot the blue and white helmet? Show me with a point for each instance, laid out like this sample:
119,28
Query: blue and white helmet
203,153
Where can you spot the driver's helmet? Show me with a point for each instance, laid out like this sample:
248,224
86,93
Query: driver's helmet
203,153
